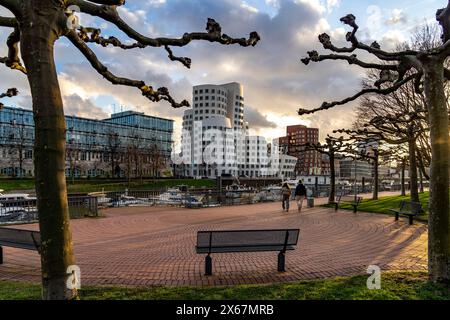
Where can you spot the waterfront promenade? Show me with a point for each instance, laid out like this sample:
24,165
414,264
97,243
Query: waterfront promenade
143,246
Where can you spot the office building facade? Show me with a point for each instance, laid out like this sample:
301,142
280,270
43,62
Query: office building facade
94,148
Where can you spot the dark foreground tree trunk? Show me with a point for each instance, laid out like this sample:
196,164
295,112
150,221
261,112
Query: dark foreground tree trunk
422,189
403,191
333,179
413,171
39,32
376,176
439,223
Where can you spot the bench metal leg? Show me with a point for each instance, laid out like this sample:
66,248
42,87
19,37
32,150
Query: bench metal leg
281,262
411,220
336,206
1,255
208,265
396,217
355,209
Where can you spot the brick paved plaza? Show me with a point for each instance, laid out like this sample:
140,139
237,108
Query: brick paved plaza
156,246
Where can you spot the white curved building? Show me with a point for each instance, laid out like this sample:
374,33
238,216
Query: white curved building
217,115
223,103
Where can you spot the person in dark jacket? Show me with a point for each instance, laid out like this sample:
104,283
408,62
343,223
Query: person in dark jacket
300,195
286,194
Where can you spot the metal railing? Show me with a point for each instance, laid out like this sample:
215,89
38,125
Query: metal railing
25,211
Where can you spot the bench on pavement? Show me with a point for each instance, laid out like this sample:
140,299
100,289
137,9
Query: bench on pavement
22,239
409,209
352,200
233,241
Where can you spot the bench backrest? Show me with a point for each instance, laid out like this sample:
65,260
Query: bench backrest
23,239
349,198
247,238
410,207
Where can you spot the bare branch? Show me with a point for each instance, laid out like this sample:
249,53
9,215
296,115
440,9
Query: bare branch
12,5
12,60
329,105
374,48
92,35
185,61
9,93
213,34
8,22
314,56
443,17
147,91
109,2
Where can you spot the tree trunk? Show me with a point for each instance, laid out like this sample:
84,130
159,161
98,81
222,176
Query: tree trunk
403,178
113,166
439,223
20,161
333,179
414,187
376,176
39,32
422,189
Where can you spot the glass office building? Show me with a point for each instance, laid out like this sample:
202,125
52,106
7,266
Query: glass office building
90,143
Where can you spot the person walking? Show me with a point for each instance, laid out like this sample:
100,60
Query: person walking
286,196
300,195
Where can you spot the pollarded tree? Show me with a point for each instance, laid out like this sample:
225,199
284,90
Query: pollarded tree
394,125
367,146
36,26
425,68
330,148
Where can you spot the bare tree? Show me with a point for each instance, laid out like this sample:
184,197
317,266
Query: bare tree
156,159
331,148
395,120
36,26
18,142
367,147
425,68
113,145
72,156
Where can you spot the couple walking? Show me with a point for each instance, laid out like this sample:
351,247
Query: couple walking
300,195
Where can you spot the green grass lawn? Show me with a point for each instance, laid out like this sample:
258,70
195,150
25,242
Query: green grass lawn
83,186
395,286
385,203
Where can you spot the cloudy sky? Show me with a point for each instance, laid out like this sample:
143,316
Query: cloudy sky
276,83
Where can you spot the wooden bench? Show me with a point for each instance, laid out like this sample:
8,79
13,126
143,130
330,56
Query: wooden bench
409,209
350,199
22,239
246,241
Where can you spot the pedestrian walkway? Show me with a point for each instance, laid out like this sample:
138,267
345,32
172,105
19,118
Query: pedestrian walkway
156,246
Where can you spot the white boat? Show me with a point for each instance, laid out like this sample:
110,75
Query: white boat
16,197
102,199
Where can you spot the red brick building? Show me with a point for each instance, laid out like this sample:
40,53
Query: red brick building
309,162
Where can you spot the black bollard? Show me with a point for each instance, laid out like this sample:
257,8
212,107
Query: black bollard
281,262
208,266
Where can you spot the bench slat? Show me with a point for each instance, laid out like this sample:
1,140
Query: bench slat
242,249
